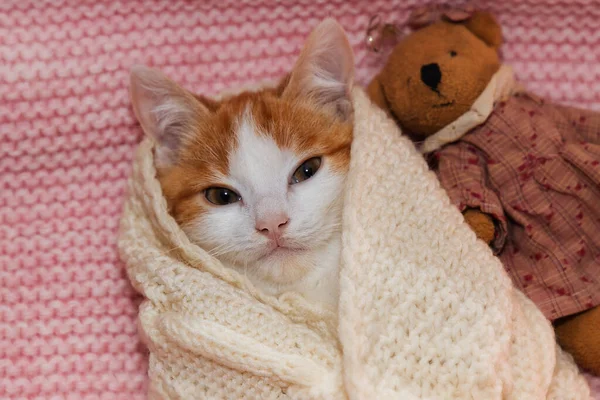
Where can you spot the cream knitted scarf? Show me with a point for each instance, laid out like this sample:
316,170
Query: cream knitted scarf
426,310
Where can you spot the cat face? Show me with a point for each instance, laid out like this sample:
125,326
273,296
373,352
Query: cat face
257,179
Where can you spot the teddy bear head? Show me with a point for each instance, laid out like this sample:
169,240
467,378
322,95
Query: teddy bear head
434,75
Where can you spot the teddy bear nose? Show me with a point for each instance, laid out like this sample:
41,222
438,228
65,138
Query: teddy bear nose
431,75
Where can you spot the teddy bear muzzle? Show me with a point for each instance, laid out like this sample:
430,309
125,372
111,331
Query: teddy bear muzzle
431,75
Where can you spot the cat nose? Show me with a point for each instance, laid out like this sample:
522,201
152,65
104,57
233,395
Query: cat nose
272,225
431,75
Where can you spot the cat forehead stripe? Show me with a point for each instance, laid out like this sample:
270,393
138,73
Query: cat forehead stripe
257,160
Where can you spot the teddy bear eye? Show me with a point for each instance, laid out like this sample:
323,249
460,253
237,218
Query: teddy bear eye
452,53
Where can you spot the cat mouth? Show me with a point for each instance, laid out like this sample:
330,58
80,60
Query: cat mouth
282,251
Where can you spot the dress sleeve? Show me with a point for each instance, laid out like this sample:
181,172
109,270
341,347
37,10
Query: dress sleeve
585,122
463,174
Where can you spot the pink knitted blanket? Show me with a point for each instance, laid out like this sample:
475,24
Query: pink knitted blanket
67,133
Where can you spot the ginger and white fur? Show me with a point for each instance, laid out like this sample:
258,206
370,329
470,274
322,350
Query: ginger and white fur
252,143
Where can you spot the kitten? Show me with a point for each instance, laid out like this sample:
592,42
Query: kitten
257,179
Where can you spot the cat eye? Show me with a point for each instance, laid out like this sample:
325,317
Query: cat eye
453,53
306,170
221,196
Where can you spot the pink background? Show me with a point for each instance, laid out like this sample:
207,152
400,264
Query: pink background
67,312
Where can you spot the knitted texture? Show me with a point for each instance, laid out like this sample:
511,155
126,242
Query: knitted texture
67,137
210,332
426,310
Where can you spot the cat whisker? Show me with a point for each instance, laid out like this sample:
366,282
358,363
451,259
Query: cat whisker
172,249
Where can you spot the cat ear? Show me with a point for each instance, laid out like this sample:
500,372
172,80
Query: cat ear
324,72
166,112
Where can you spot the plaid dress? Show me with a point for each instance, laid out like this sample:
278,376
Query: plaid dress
535,168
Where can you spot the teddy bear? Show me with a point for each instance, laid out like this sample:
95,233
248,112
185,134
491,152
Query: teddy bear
524,172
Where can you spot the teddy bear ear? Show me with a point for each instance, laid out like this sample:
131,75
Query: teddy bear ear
484,26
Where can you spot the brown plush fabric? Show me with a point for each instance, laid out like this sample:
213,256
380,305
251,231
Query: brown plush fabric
481,223
484,26
465,63
580,336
